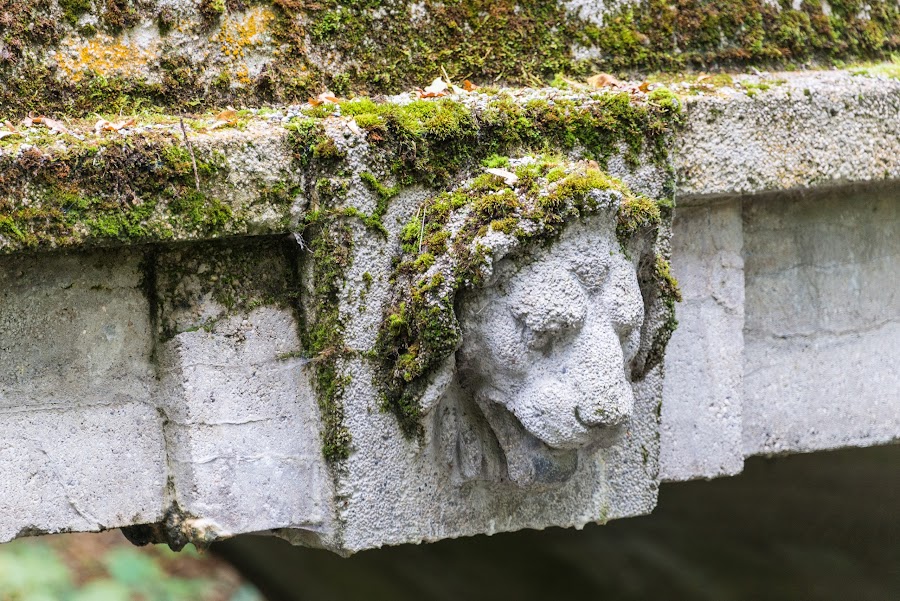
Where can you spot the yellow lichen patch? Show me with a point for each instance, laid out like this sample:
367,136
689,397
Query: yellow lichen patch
124,55
241,36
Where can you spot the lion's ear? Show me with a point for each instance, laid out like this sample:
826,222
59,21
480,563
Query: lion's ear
437,385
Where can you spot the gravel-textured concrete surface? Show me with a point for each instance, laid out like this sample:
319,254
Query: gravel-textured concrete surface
808,129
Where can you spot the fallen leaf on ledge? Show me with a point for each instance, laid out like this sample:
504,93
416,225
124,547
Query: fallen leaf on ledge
225,118
603,80
437,86
324,97
56,127
508,176
229,115
103,125
437,89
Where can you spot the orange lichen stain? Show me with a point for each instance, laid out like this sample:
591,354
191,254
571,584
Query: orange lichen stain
242,34
107,55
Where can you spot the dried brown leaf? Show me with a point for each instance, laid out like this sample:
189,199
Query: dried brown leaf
437,89
508,176
324,97
603,80
468,86
103,125
229,115
327,96
437,86
56,127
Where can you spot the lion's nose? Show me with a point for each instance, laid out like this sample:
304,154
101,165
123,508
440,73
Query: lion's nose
605,397
609,407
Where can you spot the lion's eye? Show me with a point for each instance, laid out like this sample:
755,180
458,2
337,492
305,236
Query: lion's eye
543,326
592,274
549,306
545,338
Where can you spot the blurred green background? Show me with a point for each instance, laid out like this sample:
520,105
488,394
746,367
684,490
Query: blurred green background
106,567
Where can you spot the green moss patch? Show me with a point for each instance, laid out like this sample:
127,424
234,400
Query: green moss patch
138,191
388,46
323,331
734,33
430,142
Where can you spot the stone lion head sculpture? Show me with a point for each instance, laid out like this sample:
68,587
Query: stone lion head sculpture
550,299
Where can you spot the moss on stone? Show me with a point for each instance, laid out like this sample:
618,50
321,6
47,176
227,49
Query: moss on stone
240,275
656,275
304,135
381,46
430,141
722,33
117,15
211,9
330,243
73,9
141,189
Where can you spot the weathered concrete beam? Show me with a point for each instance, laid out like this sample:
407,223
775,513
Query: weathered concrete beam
786,331
426,319
784,291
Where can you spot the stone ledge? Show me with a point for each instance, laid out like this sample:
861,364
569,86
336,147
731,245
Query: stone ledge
334,386
75,184
765,133
806,130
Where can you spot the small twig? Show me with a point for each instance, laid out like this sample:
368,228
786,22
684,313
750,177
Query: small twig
422,229
446,77
190,150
